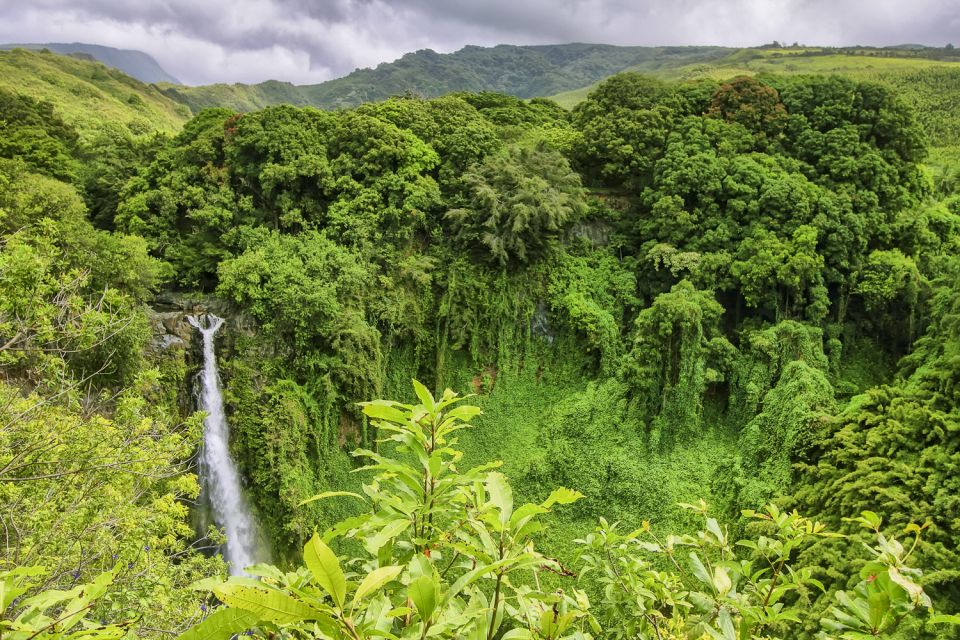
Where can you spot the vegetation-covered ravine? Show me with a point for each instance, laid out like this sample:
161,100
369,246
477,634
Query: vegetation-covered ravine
710,328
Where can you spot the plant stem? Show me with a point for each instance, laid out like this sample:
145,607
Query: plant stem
496,594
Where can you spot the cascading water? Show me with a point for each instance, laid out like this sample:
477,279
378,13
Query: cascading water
221,481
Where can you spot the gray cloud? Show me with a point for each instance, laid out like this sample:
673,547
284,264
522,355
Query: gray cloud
308,41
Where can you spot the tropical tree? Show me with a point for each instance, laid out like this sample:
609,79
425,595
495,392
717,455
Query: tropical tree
519,204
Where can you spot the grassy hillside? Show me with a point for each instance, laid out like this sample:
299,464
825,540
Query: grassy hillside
132,62
930,79
90,95
932,85
521,71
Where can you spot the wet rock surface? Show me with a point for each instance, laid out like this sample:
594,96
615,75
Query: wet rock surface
168,320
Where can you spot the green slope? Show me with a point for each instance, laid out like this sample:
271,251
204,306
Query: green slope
132,62
90,95
240,97
930,79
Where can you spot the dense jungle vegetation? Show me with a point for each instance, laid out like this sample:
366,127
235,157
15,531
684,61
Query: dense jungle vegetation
687,313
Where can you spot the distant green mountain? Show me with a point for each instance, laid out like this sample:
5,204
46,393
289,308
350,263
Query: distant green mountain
90,95
134,63
239,97
522,71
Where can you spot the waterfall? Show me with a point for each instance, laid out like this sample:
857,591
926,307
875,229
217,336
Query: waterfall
218,473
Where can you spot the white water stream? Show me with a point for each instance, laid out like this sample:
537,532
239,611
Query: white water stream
221,481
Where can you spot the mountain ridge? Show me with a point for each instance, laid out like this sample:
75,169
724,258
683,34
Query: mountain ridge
524,71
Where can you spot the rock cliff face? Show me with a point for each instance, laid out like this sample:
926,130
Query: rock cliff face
178,347
168,321
170,329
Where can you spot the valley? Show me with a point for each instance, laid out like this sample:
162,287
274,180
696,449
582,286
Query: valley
491,364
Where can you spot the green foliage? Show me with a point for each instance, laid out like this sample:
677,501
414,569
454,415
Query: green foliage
182,202
283,168
447,553
624,127
594,292
671,293
86,494
288,442
108,161
888,591
669,364
783,432
523,71
889,277
54,615
91,468
857,466
518,205
303,291
721,589
94,469
610,455
782,275
32,131
451,125
920,77
859,138
764,356
896,445
444,550
68,291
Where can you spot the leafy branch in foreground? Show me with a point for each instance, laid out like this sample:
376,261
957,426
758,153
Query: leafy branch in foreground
53,614
751,589
446,554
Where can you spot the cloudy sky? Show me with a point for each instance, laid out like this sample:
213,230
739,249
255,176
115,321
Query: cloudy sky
307,41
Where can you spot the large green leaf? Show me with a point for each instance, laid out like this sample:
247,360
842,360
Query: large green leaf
379,411
325,567
878,603
562,495
330,494
721,581
501,495
526,511
914,590
464,413
221,625
10,588
858,607
374,580
423,594
473,575
424,394
386,533
699,570
725,623
268,604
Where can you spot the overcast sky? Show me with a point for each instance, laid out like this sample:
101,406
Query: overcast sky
308,41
